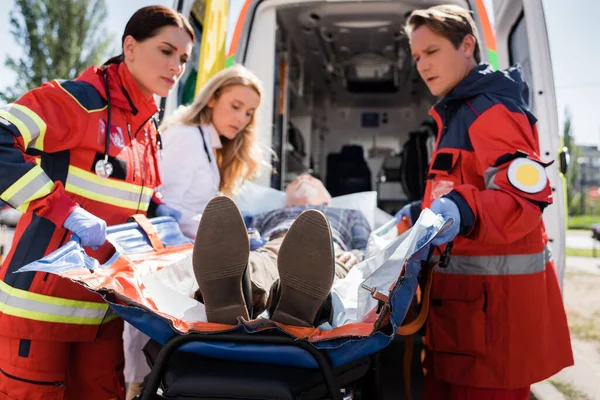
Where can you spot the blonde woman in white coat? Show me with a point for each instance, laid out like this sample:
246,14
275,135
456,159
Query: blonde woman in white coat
209,147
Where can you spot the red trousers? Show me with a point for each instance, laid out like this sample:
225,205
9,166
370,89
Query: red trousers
438,390
39,370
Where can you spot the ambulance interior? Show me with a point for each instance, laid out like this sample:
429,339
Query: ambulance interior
355,109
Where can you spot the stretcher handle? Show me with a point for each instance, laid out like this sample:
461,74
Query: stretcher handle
427,270
166,352
142,222
150,231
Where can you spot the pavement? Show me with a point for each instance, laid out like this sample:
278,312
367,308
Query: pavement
584,376
584,264
581,240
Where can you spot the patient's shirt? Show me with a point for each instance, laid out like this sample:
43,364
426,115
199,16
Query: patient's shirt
349,228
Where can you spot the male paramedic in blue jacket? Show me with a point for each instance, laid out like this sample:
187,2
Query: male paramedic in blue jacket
497,322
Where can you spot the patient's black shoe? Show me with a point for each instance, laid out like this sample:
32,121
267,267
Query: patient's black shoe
306,271
220,261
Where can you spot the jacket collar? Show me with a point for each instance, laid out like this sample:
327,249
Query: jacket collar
124,91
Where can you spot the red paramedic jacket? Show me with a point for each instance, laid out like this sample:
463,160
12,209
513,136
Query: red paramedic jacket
497,318
50,140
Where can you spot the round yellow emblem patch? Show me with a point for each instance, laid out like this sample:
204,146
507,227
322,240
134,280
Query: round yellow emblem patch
527,175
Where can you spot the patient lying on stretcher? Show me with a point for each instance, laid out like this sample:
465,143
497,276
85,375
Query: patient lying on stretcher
309,244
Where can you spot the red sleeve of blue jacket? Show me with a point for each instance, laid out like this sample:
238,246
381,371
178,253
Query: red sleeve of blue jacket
502,213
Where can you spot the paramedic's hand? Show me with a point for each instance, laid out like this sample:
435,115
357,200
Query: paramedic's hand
164,210
447,209
404,212
257,243
348,259
90,229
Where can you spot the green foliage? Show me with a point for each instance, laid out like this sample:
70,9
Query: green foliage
583,222
59,38
573,170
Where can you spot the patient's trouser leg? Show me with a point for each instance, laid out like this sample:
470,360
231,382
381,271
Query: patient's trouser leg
264,272
40,370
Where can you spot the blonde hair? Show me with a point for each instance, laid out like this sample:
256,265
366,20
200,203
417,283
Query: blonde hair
238,159
450,21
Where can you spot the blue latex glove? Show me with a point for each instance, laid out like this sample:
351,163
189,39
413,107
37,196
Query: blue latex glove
164,210
447,209
257,243
404,212
90,229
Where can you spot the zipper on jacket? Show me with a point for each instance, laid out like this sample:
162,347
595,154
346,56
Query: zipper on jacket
16,378
141,163
132,148
148,144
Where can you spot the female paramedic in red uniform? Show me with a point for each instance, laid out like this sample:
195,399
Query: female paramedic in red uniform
497,322
76,156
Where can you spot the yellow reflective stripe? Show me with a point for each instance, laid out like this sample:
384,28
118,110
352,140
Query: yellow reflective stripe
37,143
109,191
33,185
40,316
24,294
21,127
21,303
29,124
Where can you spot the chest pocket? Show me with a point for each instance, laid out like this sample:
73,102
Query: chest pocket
445,172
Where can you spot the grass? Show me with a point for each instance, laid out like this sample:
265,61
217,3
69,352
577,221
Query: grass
569,391
581,252
583,222
579,274
585,328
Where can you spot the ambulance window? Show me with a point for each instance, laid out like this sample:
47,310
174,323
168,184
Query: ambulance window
520,54
187,87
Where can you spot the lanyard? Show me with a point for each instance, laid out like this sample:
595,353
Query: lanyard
205,146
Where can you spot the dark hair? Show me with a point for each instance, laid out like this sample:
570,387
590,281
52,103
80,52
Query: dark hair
147,21
450,21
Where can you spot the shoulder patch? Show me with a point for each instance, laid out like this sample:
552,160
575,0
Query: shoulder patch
84,94
526,175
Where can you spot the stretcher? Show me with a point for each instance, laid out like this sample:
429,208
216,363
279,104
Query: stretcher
258,359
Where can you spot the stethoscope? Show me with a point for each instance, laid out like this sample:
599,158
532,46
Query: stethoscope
104,168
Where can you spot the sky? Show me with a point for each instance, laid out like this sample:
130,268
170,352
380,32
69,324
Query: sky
573,31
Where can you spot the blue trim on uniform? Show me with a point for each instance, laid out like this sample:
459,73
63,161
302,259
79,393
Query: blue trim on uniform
31,247
10,128
482,89
467,218
12,162
85,93
38,234
56,165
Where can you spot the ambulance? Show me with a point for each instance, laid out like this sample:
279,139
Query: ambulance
343,99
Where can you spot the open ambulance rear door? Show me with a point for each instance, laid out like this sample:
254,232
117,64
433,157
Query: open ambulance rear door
522,38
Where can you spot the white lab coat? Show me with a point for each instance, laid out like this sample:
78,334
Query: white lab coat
189,179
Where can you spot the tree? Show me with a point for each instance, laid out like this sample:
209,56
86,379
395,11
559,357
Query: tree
59,38
573,170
